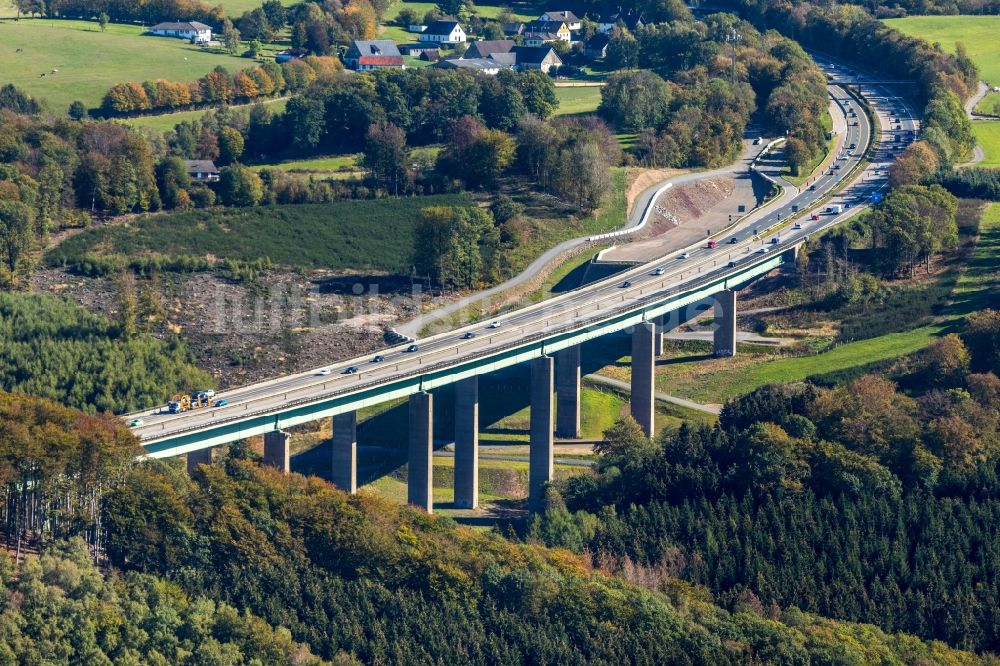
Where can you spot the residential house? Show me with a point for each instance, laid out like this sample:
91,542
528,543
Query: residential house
536,57
564,16
418,49
288,54
486,66
484,48
513,29
443,32
547,31
366,54
631,19
202,171
596,47
198,33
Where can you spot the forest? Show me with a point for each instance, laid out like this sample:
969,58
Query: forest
873,501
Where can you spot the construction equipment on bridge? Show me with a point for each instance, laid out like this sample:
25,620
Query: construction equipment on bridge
182,402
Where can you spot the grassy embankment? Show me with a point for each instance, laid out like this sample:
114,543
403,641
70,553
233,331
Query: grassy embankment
809,169
578,100
90,61
371,234
979,35
911,317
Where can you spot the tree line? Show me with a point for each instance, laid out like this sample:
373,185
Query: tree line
216,87
125,11
874,500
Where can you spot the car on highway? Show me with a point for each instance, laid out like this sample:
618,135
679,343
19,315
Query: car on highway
797,225
711,245
221,403
758,141
495,324
350,370
812,188
775,240
412,348
762,250
734,240
731,264
660,271
323,372
853,146
684,255
378,358
468,335
815,216
135,423
626,284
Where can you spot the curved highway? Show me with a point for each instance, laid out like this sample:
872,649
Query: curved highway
850,184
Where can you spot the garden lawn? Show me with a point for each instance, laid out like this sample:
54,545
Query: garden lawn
988,137
978,33
90,61
577,100
363,235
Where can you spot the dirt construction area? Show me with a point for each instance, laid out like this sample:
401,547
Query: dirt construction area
689,212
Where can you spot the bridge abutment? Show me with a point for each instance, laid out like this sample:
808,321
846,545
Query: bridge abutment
568,392
199,457
420,471
467,443
541,442
276,450
344,473
643,375
724,337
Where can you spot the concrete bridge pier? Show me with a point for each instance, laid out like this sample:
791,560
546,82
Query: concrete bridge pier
643,375
276,450
725,323
345,452
199,457
467,443
661,329
568,392
541,441
420,471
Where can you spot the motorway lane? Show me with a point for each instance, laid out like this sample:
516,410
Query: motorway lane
590,300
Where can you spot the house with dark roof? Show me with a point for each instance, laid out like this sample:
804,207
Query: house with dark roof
536,57
596,47
571,20
366,54
486,66
418,49
202,171
484,48
631,19
443,32
512,29
192,30
547,31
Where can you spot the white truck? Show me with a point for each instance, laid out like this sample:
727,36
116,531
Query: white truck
836,209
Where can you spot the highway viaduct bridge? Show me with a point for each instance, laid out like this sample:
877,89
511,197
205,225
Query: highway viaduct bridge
547,335
554,355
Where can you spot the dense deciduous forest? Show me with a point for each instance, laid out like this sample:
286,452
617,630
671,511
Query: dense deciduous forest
871,501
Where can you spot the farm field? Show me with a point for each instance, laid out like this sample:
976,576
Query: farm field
988,137
577,100
158,124
978,33
523,11
372,234
90,62
237,7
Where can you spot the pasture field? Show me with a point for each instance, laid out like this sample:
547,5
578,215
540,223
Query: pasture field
978,33
364,235
90,61
158,124
988,137
577,100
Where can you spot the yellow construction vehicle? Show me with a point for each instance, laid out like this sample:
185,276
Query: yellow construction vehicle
182,402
